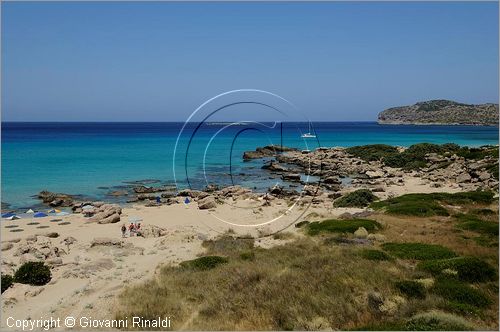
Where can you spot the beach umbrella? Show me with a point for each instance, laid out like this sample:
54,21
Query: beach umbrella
87,208
62,213
186,201
54,211
40,215
8,215
30,211
14,217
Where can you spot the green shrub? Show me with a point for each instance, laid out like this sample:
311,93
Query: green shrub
359,198
420,205
458,292
493,169
478,153
374,152
483,212
33,273
247,256
411,288
465,198
375,255
437,321
427,205
469,269
461,308
341,226
6,281
414,156
473,223
420,251
204,263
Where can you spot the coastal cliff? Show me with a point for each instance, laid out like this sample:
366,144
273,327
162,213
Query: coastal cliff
441,112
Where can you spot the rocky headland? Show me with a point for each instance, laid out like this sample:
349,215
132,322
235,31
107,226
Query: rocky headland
441,112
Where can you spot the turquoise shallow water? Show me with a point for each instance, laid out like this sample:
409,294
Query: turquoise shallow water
79,158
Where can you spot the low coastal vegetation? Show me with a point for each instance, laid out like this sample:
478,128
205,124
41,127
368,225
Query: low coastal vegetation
359,198
375,255
33,273
415,156
204,263
327,277
470,269
341,226
7,280
427,205
419,251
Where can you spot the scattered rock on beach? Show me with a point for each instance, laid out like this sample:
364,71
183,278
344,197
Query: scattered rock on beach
464,177
207,203
106,241
148,231
107,214
7,246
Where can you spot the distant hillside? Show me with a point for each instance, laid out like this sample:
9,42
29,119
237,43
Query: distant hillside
443,112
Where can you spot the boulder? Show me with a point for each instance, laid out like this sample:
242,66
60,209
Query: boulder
378,189
106,241
211,188
374,174
376,237
207,203
190,193
290,177
274,167
55,199
361,233
152,231
463,177
69,241
118,193
276,190
332,180
7,246
266,151
484,176
54,261
107,213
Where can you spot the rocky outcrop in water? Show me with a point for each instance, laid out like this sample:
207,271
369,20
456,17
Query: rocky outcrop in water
442,112
55,199
266,151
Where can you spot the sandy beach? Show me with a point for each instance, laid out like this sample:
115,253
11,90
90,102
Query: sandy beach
99,263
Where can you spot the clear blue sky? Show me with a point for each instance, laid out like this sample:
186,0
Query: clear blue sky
159,61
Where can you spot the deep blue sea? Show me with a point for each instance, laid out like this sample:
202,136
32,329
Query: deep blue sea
93,158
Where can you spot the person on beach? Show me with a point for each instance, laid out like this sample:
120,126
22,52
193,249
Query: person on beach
131,229
138,229
124,230
266,200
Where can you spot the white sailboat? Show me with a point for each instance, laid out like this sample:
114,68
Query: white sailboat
309,134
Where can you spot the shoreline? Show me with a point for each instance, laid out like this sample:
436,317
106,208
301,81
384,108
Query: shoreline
113,195
93,263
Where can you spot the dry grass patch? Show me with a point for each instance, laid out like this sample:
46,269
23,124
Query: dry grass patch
285,287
